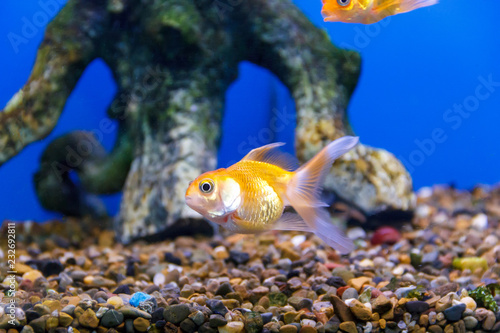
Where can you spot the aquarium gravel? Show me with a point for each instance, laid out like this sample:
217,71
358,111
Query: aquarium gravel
436,273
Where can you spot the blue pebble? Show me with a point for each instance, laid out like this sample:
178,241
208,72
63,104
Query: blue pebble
138,298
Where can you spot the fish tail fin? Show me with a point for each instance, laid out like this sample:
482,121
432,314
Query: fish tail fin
409,5
304,188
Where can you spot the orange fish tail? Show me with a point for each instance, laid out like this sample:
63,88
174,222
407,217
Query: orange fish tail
304,188
409,5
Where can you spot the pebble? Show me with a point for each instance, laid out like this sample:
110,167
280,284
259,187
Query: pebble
141,324
216,320
360,311
217,306
288,329
416,306
349,293
348,326
176,313
470,322
489,321
239,258
112,318
88,319
232,327
138,298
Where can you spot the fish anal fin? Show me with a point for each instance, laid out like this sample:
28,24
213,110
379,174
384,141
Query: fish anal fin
291,222
270,154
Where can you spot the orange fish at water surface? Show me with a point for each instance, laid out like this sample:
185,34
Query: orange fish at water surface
251,195
368,11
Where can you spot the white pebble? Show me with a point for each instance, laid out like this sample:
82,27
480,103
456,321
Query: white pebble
299,239
480,222
491,240
349,301
399,270
159,279
423,211
368,305
355,233
172,267
368,328
307,322
401,324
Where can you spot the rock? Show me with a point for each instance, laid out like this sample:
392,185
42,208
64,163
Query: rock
469,302
266,317
65,319
446,302
288,329
435,329
253,322
205,328
141,324
197,317
188,326
335,281
88,319
454,313
341,309
360,311
332,325
489,321
232,327
381,304
176,313
122,289
239,258
216,320
115,301
446,289
217,306
112,318
131,312
358,283
38,324
32,275
416,306
349,293
305,303
385,235
138,298
470,323
51,323
224,289
348,326
220,252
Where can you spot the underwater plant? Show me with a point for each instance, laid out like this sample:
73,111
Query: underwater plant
173,62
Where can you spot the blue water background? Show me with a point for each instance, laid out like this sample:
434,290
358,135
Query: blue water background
415,67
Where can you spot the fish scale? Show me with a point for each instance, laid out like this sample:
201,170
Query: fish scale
260,183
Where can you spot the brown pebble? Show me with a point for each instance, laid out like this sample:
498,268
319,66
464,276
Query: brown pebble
348,326
288,329
141,324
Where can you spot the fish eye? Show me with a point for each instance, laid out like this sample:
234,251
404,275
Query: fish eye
343,3
206,186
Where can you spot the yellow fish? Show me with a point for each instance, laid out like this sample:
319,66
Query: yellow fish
368,11
251,195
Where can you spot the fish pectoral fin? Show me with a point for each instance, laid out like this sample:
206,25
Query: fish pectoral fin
291,222
270,154
409,5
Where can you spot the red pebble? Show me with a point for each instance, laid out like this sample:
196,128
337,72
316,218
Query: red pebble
341,290
385,235
332,265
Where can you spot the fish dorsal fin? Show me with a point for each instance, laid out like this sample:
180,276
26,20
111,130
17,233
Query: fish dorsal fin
270,154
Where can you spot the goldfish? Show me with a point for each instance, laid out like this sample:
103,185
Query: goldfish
368,11
251,195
